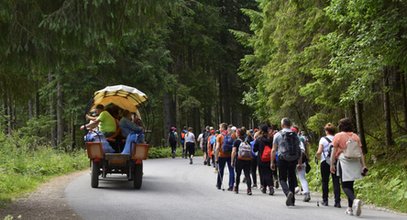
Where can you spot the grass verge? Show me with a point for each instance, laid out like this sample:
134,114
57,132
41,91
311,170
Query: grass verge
22,169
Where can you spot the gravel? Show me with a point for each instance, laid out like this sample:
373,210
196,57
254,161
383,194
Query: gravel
47,202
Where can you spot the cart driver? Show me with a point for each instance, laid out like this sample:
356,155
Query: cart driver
105,122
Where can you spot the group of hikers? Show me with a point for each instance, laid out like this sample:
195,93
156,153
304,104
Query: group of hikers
280,156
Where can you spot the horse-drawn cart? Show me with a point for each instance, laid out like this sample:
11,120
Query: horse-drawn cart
103,163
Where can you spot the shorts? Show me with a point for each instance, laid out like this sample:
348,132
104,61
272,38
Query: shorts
190,148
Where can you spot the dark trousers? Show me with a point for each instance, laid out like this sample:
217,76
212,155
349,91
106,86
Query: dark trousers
173,147
349,191
245,166
190,149
266,175
325,173
253,170
286,170
222,163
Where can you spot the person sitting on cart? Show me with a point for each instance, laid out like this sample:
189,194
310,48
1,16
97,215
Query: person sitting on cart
104,120
133,131
127,125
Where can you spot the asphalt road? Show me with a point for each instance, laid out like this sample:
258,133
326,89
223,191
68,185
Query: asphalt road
173,189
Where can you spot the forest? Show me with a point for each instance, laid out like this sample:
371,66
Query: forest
206,62
202,62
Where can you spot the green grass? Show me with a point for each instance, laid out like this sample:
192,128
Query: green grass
384,186
23,167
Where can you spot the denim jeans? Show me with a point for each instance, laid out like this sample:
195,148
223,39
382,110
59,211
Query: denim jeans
222,163
132,138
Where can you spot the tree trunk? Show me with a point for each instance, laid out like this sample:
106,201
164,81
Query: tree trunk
30,109
359,124
60,113
52,114
37,104
386,106
73,133
168,119
404,95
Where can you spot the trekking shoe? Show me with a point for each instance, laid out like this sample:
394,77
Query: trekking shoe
297,190
337,205
249,192
230,189
254,186
209,164
205,162
307,197
263,189
276,184
349,211
218,186
236,189
357,206
290,198
324,203
190,161
271,190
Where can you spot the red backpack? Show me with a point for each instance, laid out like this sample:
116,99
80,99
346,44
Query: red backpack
266,155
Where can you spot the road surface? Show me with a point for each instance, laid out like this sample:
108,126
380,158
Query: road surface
173,189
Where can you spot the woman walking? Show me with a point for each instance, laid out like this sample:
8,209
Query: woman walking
350,163
241,159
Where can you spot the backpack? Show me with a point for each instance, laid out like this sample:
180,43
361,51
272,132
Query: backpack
244,151
328,155
205,138
352,150
289,148
227,144
172,138
266,155
212,141
183,135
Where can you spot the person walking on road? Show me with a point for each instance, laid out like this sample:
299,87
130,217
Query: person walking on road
241,159
263,146
302,172
350,163
190,143
287,143
172,140
324,153
224,145
182,141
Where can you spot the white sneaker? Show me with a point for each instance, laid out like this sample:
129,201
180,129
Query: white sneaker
357,206
349,211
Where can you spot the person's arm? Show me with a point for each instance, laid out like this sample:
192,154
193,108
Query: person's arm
233,156
217,148
333,156
273,156
92,118
320,149
90,125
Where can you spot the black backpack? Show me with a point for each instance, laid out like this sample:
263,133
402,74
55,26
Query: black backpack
289,148
205,138
172,138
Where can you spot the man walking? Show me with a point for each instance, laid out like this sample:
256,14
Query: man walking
287,144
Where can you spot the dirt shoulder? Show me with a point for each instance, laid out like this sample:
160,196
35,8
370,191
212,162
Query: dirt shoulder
47,202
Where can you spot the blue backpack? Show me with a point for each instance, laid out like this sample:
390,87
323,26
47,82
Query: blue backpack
227,144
